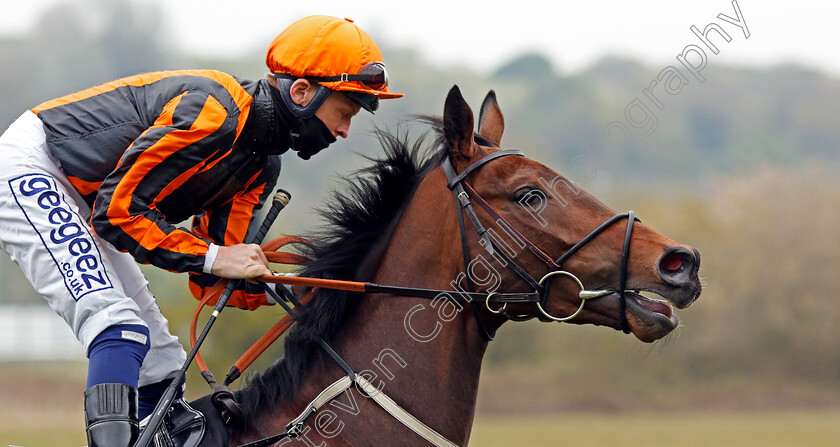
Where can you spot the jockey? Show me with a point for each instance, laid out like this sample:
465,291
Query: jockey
96,180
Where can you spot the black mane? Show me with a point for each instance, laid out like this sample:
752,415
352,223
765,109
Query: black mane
359,219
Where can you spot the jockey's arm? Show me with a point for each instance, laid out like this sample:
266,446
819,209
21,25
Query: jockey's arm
227,227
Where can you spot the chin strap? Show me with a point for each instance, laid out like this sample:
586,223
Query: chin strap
283,92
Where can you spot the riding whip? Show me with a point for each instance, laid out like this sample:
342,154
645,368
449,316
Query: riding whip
279,201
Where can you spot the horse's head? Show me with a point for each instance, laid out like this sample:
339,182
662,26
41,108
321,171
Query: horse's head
552,216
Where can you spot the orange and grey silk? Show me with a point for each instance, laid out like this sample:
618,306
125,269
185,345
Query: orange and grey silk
153,150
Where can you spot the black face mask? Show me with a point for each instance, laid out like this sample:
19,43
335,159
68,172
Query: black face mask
310,137
306,136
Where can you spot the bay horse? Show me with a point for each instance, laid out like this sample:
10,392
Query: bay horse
402,222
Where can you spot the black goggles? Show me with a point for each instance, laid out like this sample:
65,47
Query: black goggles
372,75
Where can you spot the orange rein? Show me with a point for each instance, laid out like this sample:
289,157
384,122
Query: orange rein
273,255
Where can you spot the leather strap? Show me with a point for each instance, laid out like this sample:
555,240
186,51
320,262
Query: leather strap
462,198
622,274
295,427
510,228
590,236
454,180
465,192
465,252
470,297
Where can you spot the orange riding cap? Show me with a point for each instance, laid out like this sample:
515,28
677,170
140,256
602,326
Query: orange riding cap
318,46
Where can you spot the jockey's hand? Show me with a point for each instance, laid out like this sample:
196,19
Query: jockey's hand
240,261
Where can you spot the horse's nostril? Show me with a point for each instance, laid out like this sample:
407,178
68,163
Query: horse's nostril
677,265
672,262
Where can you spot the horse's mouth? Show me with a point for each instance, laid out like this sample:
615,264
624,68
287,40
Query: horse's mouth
650,304
650,316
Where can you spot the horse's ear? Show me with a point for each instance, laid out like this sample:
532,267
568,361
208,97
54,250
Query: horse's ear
458,125
491,123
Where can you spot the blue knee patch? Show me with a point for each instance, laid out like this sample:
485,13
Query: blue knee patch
116,355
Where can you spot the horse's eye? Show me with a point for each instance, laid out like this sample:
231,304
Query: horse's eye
529,196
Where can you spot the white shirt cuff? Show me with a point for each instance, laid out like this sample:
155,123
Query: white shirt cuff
288,286
210,257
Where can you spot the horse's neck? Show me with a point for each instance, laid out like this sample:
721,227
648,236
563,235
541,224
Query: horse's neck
425,353
427,365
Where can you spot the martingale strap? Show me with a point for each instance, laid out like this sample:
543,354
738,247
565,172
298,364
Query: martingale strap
295,427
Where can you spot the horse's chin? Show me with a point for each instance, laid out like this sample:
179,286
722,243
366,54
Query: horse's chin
649,319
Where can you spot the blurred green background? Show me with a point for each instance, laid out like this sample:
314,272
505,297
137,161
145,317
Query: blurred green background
742,166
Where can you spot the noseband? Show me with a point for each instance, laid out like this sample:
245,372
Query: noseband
465,195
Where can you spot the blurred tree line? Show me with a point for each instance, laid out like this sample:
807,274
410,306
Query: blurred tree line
741,166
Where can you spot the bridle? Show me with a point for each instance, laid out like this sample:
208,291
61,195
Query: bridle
464,196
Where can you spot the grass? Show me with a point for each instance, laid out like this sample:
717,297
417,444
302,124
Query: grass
730,429
44,427
43,438
737,429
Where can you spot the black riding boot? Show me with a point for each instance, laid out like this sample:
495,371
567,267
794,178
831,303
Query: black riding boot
111,415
